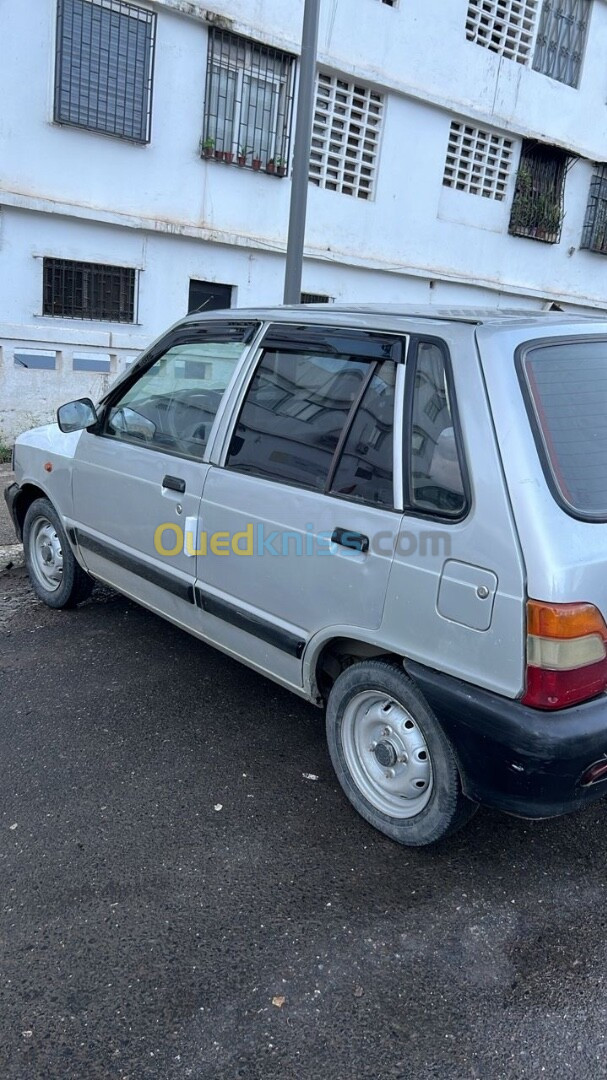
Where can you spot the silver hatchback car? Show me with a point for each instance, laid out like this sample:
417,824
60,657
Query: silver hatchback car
398,514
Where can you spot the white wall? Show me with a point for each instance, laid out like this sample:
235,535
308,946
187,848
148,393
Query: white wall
69,193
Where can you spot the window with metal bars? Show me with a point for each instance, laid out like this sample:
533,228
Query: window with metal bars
104,67
478,161
315,298
537,207
81,290
505,27
345,137
561,39
594,235
248,103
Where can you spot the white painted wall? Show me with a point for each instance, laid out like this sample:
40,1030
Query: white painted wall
162,209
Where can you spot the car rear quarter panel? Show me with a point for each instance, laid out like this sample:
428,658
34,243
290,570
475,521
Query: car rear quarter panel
565,559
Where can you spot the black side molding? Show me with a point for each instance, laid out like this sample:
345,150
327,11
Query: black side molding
134,565
251,624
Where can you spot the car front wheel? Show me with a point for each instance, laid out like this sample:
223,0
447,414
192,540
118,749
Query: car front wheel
391,757
56,577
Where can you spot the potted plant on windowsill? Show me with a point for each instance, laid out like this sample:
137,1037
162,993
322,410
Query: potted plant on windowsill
228,157
208,148
257,164
281,166
218,154
271,166
243,154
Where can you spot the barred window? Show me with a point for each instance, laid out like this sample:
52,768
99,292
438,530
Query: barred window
594,236
104,66
561,39
81,290
345,137
315,298
537,207
505,27
248,103
478,161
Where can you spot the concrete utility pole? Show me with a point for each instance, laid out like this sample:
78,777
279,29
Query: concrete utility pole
301,156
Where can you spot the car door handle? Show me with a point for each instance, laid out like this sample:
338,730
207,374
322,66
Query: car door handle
354,540
174,483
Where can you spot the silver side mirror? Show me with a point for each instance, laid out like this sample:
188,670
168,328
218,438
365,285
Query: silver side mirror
76,415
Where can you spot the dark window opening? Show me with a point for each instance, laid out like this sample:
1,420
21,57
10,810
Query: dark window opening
315,298
79,290
594,235
104,67
248,103
208,296
537,207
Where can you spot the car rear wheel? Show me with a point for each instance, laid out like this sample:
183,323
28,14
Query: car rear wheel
391,757
56,577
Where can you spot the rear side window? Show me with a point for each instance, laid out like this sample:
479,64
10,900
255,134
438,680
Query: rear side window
365,469
567,387
293,416
319,413
435,475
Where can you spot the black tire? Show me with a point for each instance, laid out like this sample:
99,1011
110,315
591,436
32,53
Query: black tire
72,584
446,808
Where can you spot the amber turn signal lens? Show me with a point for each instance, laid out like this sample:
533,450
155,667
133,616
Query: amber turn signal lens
564,620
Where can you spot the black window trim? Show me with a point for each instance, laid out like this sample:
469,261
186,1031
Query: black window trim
180,335
410,507
520,357
289,338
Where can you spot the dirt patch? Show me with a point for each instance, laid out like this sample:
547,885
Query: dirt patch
20,608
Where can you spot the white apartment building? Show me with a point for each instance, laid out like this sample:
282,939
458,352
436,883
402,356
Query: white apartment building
459,156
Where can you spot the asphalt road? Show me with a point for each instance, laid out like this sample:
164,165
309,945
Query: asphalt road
167,870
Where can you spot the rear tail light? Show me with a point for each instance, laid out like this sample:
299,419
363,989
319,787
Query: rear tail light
566,654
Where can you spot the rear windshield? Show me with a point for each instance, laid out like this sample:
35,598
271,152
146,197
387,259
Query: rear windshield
568,386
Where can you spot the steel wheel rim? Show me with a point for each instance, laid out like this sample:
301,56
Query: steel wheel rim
46,555
386,754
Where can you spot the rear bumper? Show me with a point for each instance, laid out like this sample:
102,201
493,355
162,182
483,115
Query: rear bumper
11,494
514,758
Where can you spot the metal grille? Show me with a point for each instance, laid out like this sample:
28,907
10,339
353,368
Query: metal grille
594,235
345,137
561,39
104,66
504,26
537,207
80,290
477,161
314,298
249,103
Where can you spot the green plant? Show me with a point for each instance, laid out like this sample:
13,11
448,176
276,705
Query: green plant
535,212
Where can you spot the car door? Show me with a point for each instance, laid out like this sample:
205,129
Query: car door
138,476
301,514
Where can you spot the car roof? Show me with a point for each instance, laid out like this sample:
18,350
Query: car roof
474,316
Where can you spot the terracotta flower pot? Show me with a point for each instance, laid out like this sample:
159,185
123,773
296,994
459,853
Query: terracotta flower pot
228,157
270,167
257,164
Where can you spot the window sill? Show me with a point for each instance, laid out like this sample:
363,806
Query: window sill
221,157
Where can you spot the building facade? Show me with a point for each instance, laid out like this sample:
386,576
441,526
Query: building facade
458,157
